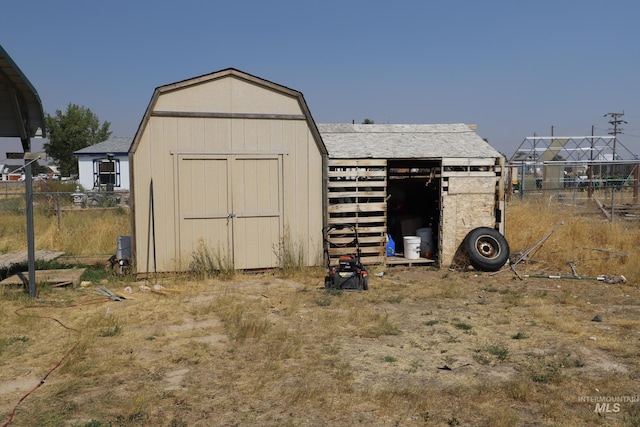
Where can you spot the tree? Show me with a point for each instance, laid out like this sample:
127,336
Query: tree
367,122
70,131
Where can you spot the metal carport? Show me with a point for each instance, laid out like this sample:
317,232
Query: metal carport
21,116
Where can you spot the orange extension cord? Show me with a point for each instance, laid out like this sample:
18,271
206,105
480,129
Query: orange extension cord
93,301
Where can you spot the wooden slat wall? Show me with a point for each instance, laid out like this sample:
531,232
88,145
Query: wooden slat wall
356,189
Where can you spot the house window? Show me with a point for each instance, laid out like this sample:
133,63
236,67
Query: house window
106,172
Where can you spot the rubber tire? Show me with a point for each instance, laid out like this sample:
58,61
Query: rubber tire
365,283
486,248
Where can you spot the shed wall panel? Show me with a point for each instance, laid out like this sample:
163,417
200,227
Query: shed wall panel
166,141
461,213
229,95
474,185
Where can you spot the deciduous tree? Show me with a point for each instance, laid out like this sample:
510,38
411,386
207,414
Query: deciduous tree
78,127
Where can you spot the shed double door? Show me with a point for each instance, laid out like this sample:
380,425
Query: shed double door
232,206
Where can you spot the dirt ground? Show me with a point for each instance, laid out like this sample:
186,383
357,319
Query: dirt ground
421,347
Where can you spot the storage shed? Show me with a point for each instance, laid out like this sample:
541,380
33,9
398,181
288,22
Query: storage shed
403,180
228,162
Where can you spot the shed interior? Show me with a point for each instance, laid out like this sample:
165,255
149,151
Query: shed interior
413,201
397,197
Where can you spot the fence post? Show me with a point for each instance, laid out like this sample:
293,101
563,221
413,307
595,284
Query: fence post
58,207
635,184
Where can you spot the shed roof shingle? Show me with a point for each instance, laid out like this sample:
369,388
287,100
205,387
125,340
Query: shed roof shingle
404,141
118,145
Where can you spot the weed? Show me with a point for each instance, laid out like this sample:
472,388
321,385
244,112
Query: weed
240,321
511,298
451,291
463,326
290,254
201,308
95,274
380,326
95,423
545,371
481,359
334,291
389,359
431,322
111,331
498,350
451,339
413,367
578,363
323,301
206,263
520,336
450,360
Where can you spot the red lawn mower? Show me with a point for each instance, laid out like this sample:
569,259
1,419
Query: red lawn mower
349,274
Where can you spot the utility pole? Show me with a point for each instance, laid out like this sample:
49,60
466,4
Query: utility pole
615,122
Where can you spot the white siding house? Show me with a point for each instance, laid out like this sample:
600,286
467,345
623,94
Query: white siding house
104,164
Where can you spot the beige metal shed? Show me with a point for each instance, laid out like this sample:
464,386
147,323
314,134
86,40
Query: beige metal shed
400,179
229,161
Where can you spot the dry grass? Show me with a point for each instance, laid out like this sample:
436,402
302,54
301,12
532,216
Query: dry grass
421,347
596,246
80,233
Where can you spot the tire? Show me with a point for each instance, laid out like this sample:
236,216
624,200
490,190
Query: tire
365,283
486,248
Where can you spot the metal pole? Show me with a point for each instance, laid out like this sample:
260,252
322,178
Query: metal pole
522,183
31,251
58,207
590,172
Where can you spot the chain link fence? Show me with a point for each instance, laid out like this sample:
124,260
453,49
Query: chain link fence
608,189
13,200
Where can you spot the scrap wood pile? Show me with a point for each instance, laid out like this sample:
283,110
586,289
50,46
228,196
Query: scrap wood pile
526,255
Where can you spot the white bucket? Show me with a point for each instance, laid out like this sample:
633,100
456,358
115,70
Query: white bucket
426,241
411,247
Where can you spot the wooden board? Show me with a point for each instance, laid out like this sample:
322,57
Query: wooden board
7,260
398,260
356,195
64,277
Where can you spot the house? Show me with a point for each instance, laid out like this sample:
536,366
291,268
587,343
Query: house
105,164
228,162
407,179
11,172
235,165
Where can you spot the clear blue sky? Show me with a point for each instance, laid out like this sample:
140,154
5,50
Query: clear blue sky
514,68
